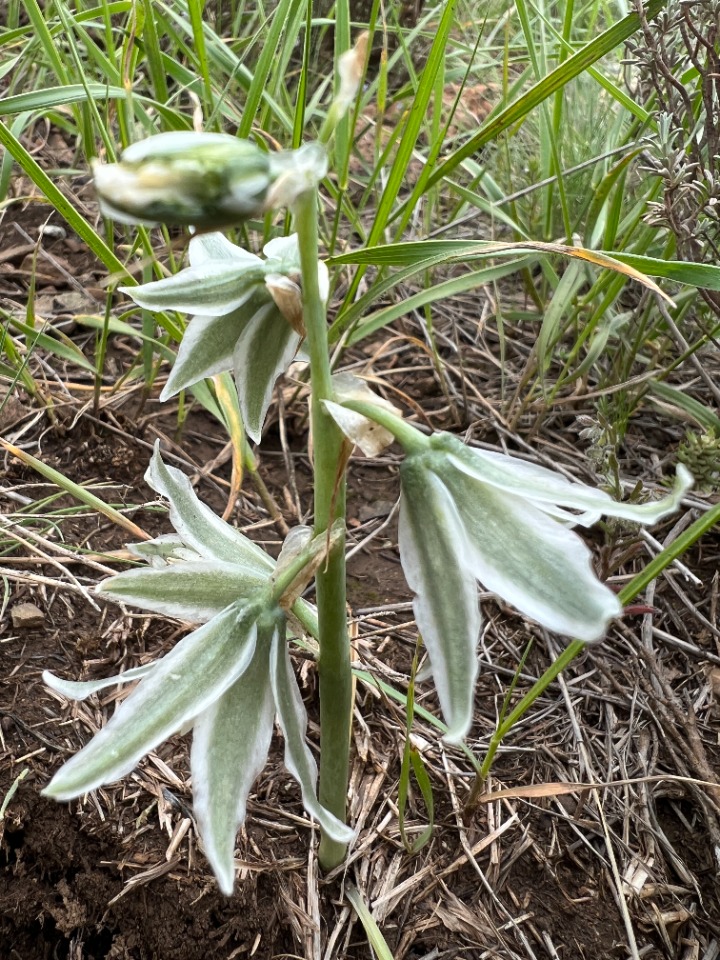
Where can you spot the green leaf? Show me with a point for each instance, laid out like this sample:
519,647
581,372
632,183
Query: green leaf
440,291
59,345
413,759
52,97
704,275
375,938
701,413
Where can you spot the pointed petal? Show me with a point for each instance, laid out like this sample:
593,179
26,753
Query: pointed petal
207,348
206,247
284,249
528,480
214,288
81,689
185,682
189,591
230,746
264,350
161,549
198,525
432,552
298,758
531,560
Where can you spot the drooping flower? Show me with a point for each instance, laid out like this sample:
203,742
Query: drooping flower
469,516
245,317
228,679
204,180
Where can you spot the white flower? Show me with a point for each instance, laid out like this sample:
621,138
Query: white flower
468,515
206,180
227,680
238,324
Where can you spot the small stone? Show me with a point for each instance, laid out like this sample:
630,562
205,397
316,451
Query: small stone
26,616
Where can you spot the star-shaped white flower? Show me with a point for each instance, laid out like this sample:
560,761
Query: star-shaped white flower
245,317
227,680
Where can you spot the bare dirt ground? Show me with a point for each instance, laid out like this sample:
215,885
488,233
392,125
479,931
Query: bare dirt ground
627,866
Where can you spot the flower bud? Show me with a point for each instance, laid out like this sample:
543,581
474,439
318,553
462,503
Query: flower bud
204,180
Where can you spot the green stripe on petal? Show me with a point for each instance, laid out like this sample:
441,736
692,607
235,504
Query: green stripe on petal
264,350
532,482
196,523
530,560
189,591
434,558
211,289
207,347
298,758
197,671
230,746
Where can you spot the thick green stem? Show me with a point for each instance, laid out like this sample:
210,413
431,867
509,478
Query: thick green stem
334,659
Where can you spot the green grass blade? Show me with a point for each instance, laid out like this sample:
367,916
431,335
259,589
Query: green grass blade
705,275
75,490
557,78
285,13
409,138
677,398
375,938
50,98
440,291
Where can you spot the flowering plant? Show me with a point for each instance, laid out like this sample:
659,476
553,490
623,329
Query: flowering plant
466,515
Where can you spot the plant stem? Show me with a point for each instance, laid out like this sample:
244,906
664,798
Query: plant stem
329,476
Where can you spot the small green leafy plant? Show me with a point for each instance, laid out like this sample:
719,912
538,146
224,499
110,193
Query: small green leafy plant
466,515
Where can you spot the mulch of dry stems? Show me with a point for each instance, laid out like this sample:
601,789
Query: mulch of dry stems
626,868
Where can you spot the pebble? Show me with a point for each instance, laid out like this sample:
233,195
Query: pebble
26,615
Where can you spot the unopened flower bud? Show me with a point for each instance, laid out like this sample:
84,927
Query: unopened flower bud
205,180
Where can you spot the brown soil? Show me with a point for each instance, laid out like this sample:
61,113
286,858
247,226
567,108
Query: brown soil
121,875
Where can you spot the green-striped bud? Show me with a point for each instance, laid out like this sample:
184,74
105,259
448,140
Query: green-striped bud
204,180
